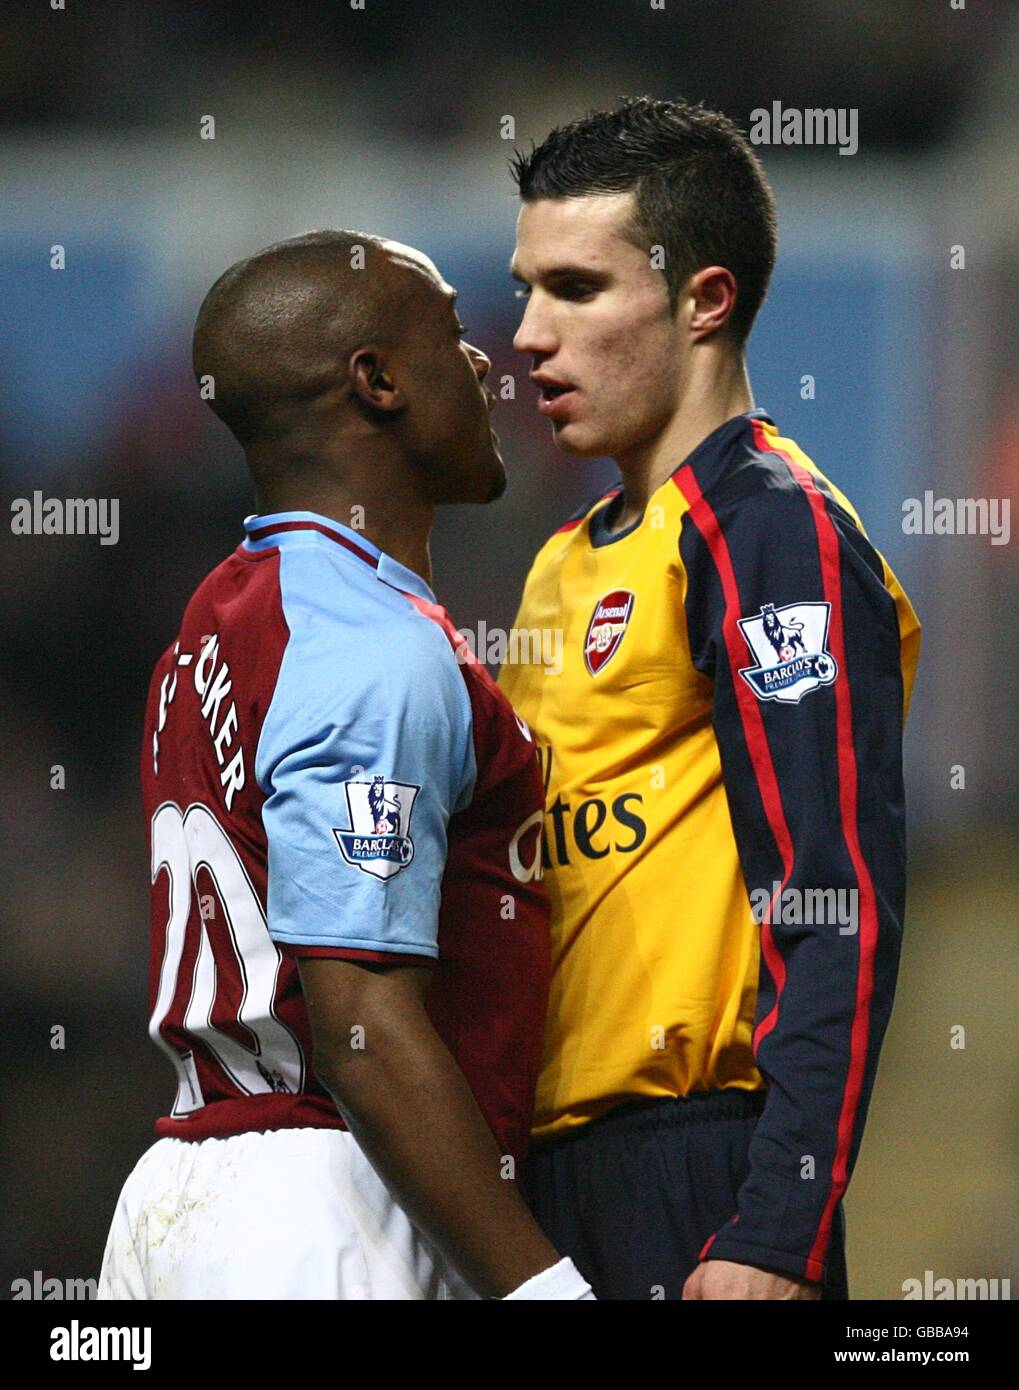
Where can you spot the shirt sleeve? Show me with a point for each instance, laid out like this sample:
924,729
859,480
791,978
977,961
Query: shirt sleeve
789,616
365,752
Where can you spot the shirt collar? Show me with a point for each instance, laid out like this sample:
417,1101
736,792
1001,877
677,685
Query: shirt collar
597,526
275,530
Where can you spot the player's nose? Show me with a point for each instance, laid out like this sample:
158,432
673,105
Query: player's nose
534,336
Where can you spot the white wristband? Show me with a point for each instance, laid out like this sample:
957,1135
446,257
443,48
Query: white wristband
561,1281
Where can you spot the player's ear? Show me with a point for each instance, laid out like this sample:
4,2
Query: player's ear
711,294
372,380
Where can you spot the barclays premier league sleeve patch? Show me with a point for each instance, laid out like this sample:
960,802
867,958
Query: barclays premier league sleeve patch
790,647
378,841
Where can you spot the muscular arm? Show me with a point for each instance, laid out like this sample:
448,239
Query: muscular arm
409,1107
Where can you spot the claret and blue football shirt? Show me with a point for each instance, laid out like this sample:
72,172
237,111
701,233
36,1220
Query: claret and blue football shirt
328,771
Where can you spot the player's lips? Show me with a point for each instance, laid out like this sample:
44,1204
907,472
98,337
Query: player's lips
490,400
554,400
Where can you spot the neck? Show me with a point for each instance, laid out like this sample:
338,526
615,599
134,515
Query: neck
375,497
716,389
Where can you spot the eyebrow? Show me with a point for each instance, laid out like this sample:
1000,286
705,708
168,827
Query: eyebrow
450,296
560,272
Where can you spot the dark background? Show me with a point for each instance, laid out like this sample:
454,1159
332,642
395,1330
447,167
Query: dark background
391,119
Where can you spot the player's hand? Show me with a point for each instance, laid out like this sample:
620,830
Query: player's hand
726,1279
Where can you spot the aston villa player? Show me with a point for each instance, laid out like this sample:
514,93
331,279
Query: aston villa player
722,751
341,807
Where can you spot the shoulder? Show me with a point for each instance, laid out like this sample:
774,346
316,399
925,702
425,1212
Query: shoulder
336,608
358,649
773,527
774,497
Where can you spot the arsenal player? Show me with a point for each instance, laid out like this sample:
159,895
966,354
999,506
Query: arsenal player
725,733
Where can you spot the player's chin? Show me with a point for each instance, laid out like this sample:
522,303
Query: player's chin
581,442
484,482
497,483
492,479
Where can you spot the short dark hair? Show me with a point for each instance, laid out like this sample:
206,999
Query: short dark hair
701,193
273,328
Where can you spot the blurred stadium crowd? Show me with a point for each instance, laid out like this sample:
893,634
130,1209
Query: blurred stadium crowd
431,73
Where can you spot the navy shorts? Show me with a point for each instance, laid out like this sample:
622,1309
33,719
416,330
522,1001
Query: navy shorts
633,1196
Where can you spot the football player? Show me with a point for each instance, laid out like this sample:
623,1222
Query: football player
349,961
722,751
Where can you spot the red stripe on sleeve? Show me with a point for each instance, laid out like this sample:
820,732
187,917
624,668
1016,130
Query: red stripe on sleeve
703,517
707,1246
831,573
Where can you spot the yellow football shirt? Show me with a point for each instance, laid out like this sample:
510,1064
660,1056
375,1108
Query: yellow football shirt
723,741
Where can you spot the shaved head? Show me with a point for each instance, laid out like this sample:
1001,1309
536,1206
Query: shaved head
275,332
337,350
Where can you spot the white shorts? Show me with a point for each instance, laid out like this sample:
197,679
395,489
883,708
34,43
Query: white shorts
291,1213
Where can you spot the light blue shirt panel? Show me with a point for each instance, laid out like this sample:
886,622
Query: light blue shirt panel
368,686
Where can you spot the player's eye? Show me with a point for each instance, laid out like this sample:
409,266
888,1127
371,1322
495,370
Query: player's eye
523,293
461,329
576,289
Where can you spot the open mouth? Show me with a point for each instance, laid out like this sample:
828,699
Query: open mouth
553,400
